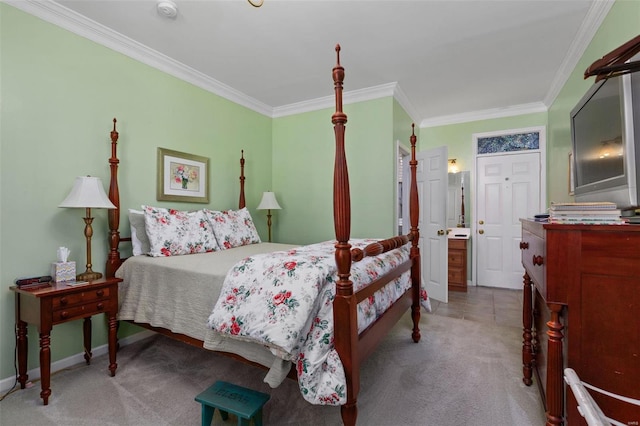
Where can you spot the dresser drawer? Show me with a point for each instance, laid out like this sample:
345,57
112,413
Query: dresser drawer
79,311
456,257
68,300
533,259
457,244
456,276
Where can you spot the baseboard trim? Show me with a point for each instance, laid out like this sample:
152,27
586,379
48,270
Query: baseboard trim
34,374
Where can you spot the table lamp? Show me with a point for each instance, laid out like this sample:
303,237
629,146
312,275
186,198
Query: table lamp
88,193
269,203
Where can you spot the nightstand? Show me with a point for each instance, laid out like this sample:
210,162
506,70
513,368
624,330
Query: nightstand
57,304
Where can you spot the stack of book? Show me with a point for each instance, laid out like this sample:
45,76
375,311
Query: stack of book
33,283
599,213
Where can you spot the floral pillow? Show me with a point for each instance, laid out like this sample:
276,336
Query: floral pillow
233,228
174,232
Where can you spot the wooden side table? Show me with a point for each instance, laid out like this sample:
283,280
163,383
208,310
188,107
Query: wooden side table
57,304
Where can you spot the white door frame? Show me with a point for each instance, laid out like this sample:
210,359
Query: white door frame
404,153
543,179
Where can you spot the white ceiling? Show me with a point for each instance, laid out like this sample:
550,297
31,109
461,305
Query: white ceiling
445,61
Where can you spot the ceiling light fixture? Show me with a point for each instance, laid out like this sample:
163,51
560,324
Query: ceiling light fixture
256,3
167,8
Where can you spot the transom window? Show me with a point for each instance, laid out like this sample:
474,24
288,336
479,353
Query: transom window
509,143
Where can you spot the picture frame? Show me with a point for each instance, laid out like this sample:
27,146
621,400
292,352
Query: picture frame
182,177
572,185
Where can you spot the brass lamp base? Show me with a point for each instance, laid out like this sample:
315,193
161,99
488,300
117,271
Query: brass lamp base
88,276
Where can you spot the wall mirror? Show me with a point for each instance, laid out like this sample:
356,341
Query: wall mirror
458,201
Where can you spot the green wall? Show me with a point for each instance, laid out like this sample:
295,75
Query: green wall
402,126
60,93
303,158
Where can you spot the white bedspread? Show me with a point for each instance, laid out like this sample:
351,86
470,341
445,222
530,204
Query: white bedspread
178,292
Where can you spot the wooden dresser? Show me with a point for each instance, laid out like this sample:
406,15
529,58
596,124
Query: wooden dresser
582,310
457,261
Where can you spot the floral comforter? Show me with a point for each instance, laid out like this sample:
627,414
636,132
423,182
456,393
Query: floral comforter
284,300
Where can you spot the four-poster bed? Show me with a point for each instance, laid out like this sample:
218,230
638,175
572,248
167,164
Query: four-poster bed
352,344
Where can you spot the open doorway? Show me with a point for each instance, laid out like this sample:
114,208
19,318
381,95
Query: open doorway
402,193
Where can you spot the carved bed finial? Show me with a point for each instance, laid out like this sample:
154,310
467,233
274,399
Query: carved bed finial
338,117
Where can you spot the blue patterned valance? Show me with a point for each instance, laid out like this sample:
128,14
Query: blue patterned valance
509,143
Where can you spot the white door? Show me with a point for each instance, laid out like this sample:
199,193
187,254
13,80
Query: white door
432,181
508,189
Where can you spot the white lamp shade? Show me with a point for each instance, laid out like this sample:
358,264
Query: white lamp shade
87,192
269,202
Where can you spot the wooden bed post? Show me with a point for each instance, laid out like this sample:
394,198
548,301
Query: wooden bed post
113,258
345,303
414,214
241,202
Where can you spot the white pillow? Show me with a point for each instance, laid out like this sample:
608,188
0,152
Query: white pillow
174,232
233,228
139,238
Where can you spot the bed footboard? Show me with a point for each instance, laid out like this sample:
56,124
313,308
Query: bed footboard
380,247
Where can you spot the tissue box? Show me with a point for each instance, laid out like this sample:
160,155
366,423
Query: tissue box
63,271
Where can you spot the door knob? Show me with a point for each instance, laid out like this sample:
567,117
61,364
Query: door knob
481,222
441,232
481,231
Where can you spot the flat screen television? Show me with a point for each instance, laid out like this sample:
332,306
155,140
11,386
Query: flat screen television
605,136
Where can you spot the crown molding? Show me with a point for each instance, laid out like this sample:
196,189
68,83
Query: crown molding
404,102
487,114
349,97
52,12
596,14
63,17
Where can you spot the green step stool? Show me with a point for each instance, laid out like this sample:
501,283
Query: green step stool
229,398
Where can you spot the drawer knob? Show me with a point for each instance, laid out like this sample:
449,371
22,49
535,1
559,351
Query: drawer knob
524,245
63,301
100,306
64,315
537,260
100,293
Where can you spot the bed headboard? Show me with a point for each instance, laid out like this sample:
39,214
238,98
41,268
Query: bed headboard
114,260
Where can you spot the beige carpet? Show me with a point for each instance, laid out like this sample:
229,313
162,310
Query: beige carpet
461,373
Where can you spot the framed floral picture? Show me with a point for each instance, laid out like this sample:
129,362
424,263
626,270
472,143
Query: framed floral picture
182,177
